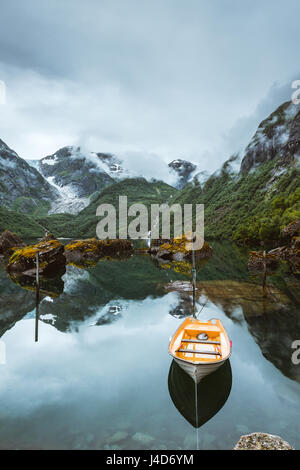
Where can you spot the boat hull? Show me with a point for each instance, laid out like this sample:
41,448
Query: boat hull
199,371
198,403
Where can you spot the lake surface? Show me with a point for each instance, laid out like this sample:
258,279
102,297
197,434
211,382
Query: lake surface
100,376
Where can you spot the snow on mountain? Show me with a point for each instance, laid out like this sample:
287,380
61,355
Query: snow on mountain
76,175
22,187
184,171
33,163
278,135
68,201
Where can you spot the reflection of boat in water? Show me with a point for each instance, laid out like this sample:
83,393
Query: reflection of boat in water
200,348
198,403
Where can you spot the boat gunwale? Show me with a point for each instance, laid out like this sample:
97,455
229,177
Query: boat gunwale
206,363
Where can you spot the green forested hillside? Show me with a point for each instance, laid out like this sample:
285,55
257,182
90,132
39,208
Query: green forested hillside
23,225
137,190
247,207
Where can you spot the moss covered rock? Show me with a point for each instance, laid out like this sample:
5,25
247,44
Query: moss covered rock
177,249
48,236
257,260
291,229
90,250
49,286
289,253
51,259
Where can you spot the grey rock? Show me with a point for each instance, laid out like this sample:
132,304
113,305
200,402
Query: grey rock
262,441
142,438
184,170
276,136
22,187
117,437
82,171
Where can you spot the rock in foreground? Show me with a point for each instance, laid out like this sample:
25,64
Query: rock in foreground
51,259
262,441
176,249
291,229
289,252
49,286
91,249
257,260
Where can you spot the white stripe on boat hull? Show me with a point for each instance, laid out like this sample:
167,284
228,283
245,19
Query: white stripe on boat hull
199,371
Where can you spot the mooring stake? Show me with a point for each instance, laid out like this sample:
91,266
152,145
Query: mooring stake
265,276
37,296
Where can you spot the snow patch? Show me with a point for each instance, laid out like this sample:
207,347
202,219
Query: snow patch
48,316
50,160
8,163
291,111
68,200
47,299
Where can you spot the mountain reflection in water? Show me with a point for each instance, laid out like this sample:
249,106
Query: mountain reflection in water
127,309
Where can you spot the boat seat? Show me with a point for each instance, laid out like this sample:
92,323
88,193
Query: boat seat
201,341
193,351
206,329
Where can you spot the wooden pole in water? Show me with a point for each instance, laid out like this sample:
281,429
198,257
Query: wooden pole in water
265,276
194,274
37,296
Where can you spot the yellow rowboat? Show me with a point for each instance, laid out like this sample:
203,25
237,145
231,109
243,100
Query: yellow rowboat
200,348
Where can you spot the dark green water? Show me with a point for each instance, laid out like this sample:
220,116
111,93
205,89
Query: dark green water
100,376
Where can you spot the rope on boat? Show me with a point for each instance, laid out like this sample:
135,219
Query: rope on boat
204,305
194,274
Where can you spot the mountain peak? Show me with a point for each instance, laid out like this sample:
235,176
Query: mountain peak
276,136
22,186
183,169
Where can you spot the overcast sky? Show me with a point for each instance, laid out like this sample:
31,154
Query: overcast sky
151,80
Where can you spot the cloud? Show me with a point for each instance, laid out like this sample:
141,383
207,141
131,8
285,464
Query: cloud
244,128
165,79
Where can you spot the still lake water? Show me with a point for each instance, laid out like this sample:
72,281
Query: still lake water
100,376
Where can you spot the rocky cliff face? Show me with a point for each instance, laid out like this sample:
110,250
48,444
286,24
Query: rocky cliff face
113,166
83,172
21,186
76,175
252,195
184,171
278,136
